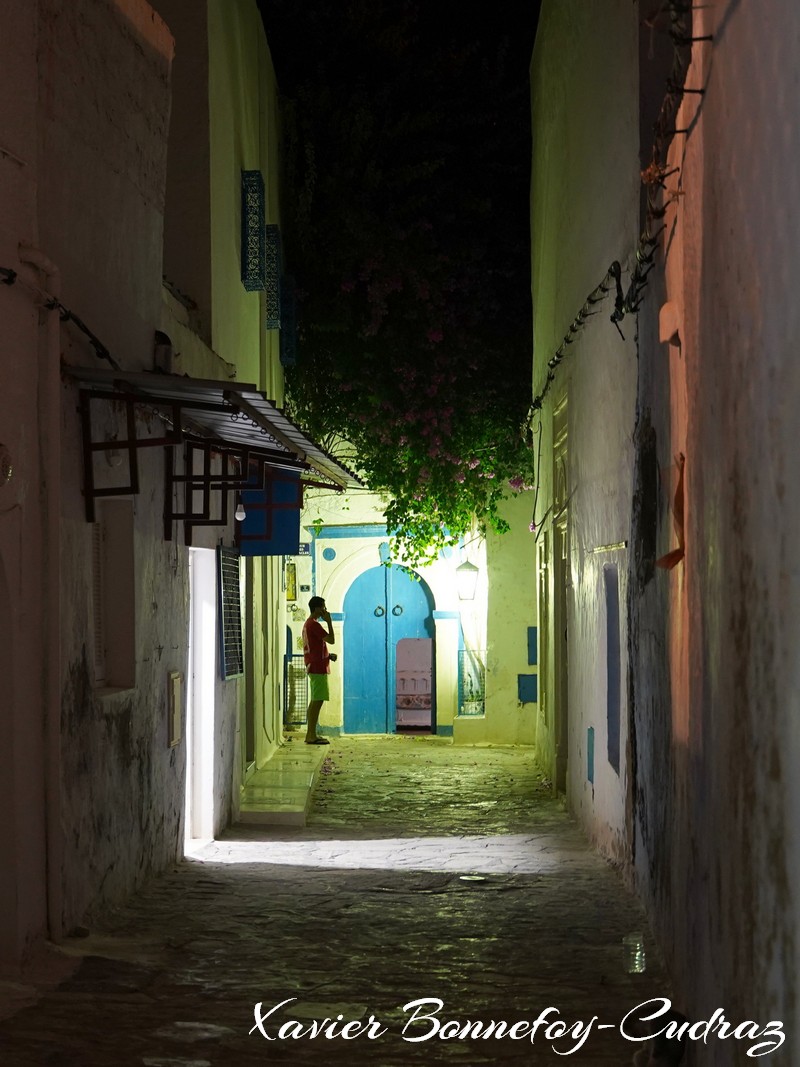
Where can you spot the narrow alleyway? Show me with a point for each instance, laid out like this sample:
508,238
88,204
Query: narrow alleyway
426,871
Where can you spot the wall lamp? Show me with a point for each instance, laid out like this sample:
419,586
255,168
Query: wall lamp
466,580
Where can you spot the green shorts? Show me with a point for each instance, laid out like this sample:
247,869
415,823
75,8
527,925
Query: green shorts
318,686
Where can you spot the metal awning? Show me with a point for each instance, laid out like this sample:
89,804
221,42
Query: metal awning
230,413
232,436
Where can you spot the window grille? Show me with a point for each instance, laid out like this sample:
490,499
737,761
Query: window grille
295,688
471,681
230,612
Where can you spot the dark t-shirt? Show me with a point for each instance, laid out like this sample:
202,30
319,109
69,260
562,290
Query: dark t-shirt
315,648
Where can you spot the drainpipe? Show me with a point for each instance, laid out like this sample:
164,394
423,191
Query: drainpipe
49,423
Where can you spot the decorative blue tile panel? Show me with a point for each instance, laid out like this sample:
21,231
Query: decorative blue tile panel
527,688
272,282
288,351
253,236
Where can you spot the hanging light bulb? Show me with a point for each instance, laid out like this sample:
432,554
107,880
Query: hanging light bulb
240,514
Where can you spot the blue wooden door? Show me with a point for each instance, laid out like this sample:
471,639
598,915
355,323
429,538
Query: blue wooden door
384,605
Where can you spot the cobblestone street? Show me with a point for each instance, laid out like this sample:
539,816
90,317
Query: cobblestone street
426,871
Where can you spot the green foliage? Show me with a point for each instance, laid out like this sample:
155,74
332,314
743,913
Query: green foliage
407,154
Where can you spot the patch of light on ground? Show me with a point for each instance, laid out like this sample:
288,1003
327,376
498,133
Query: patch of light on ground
508,854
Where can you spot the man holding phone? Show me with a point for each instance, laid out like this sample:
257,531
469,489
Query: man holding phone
316,639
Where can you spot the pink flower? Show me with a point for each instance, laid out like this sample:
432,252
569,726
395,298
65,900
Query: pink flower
435,336
473,463
532,527
348,286
460,477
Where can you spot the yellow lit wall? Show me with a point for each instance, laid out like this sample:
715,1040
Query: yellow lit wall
244,136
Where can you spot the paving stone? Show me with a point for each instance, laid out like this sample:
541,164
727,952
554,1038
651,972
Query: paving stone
424,871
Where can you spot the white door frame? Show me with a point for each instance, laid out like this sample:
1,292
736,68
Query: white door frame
200,695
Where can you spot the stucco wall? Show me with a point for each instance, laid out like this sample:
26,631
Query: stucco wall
225,122
584,216
717,818
511,611
122,783
90,98
244,136
187,225
103,120
361,512
712,665
105,90
22,597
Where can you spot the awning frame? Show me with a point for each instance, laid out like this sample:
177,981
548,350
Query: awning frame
196,414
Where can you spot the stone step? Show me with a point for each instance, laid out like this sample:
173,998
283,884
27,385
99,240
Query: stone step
280,792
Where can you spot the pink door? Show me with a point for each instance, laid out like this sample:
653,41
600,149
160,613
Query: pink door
414,682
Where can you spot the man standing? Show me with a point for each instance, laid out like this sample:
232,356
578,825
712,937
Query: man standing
318,664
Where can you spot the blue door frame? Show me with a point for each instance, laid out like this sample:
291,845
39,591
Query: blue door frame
381,607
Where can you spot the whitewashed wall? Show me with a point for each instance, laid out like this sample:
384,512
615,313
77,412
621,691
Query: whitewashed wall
104,87
584,216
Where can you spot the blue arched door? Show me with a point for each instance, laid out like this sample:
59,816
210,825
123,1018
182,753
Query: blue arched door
384,605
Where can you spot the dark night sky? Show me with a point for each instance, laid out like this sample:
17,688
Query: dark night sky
290,27
408,57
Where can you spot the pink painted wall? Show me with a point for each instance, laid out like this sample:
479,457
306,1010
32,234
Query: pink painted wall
718,821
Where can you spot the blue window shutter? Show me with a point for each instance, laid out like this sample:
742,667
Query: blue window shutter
271,526
532,646
527,688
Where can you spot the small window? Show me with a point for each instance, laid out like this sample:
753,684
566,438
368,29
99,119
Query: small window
113,596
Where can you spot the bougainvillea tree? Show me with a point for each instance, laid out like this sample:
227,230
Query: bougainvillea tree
405,219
